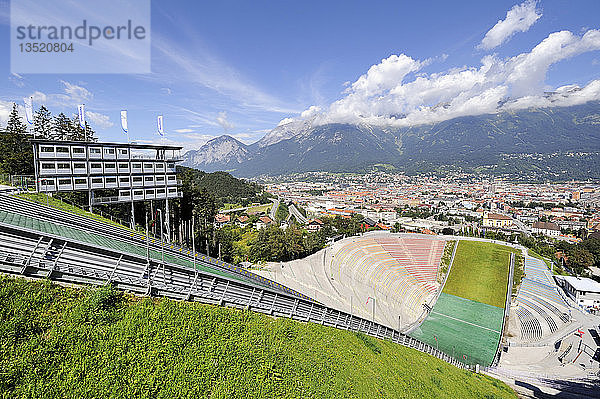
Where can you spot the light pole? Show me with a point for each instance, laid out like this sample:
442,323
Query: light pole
373,315
162,247
147,241
193,242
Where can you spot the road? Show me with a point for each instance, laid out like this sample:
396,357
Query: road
274,208
296,213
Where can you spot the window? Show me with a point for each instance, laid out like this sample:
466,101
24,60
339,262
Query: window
171,165
160,191
160,178
109,165
47,166
138,192
147,165
63,166
78,150
64,181
172,190
47,149
148,178
123,152
79,165
47,182
97,180
136,165
111,179
96,166
171,178
160,166
123,165
124,193
63,150
80,181
124,179
109,150
94,150
150,191
137,179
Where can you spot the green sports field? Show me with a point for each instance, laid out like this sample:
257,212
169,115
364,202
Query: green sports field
480,272
466,321
463,328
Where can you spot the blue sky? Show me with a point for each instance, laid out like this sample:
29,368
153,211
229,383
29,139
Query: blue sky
240,67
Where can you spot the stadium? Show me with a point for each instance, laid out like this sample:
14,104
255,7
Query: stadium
476,304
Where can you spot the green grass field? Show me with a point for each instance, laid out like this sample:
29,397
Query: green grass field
480,272
467,318
60,342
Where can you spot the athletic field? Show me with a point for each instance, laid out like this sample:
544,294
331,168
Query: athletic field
466,321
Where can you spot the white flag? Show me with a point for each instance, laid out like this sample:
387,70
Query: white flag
29,110
160,126
124,120
81,111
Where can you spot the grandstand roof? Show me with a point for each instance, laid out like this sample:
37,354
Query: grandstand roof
95,143
582,283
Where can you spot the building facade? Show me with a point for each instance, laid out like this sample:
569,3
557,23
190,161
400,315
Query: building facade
549,229
496,220
135,172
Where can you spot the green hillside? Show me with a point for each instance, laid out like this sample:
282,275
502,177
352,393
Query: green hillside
62,342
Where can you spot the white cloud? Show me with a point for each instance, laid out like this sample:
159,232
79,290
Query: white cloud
223,122
388,95
184,130
5,110
16,79
201,67
285,121
98,120
518,19
75,93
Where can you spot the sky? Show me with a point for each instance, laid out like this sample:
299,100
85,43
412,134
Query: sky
243,67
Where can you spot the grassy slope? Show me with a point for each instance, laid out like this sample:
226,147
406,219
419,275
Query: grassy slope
64,342
480,272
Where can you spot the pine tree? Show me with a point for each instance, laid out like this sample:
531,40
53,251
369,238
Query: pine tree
42,123
63,127
16,154
79,133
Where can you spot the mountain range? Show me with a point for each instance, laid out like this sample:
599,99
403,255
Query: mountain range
493,142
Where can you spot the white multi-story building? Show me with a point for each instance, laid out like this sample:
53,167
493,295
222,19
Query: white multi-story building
134,172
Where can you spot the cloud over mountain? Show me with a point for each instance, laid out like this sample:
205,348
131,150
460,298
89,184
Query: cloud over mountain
395,92
518,19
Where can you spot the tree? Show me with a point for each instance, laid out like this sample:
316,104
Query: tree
42,123
62,127
80,134
580,260
16,154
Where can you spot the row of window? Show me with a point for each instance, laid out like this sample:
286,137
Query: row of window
58,151
123,180
100,166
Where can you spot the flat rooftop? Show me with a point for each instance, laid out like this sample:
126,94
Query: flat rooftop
582,283
108,144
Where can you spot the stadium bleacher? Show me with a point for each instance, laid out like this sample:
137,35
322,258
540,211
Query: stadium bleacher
540,309
402,267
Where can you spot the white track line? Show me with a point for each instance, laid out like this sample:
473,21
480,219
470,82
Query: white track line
473,324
